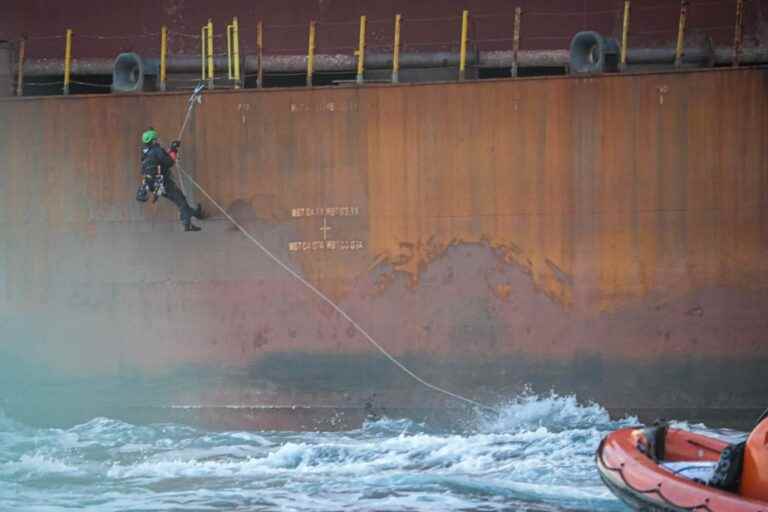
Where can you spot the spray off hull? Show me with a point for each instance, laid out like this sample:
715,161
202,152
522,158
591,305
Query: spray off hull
603,236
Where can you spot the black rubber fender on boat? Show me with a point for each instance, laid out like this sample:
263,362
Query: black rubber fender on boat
728,471
656,441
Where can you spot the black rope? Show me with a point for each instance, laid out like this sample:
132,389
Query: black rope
90,84
762,417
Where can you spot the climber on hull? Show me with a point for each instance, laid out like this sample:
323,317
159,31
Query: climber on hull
156,164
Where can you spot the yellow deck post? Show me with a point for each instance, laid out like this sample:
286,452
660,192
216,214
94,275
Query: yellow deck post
463,55
229,52
681,33
624,36
236,56
311,53
361,51
738,32
203,30
163,56
210,53
67,61
259,48
396,51
22,56
516,41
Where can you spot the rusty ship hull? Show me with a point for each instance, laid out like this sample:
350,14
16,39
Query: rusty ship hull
598,236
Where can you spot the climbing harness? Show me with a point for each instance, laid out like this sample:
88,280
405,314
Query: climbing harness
195,99
151,186
159,187
143,192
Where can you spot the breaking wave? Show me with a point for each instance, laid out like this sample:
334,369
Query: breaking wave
538,454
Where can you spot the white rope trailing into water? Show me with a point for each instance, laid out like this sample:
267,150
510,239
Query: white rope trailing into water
194,99
333,304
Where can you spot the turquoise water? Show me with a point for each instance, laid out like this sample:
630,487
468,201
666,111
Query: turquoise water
537,456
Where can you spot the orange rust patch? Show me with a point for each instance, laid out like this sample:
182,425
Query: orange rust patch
502,291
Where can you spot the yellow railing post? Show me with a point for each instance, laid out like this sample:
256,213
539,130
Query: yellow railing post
210,53
738,31
516,42
203,44
311,53
67,61
361,51
396,52
163,56
681,33
236,37
624,37
22,56
463,55
259,48
229,52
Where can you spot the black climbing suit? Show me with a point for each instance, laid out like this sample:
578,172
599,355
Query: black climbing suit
152,156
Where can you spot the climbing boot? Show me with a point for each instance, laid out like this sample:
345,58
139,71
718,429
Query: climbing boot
198,212
191,227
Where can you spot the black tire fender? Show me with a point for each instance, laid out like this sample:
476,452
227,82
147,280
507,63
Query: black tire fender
588,53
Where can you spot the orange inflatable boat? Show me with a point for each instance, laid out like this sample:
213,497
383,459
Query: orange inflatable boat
667,469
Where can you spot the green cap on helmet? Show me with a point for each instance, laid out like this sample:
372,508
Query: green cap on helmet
149,136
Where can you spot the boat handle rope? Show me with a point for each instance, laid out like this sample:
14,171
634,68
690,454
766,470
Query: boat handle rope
195,99
655,490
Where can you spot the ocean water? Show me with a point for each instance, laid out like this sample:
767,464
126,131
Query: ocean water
538,455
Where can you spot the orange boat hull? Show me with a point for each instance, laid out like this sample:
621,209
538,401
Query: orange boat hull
644,484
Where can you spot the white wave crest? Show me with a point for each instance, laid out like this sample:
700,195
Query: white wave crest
35,465
555,412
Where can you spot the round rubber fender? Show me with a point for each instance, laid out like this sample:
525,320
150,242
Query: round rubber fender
128,73
588,51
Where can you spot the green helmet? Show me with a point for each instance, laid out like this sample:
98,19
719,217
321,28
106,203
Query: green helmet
149,136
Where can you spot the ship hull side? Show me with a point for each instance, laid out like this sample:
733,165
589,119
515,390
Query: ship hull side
602,236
